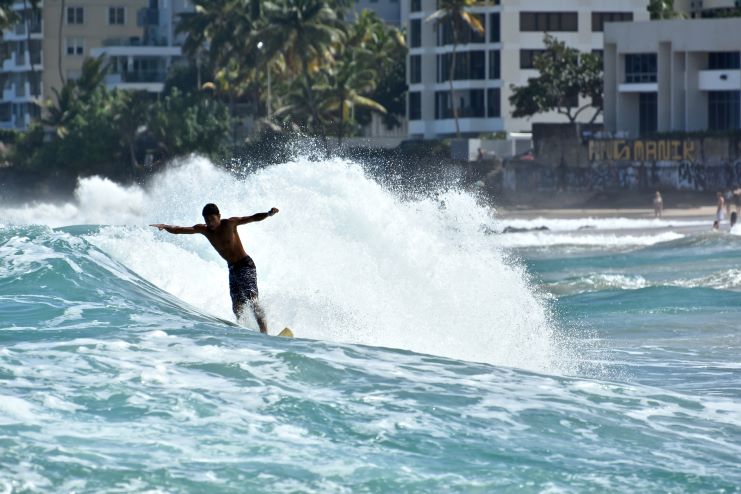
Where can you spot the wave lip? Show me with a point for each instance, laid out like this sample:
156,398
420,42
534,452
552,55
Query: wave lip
346,259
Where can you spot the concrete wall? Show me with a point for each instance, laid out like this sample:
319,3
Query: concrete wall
567,161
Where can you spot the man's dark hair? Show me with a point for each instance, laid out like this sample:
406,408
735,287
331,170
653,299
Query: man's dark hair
210,209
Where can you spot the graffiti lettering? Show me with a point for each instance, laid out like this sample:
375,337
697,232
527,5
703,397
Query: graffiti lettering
641,150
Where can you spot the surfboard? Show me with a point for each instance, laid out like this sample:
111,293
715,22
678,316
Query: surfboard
286,332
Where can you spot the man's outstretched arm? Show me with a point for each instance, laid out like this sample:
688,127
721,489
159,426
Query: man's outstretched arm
241,220
181,229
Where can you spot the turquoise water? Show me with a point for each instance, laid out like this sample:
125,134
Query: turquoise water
431,355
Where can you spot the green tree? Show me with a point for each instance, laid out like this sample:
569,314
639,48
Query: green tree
182,124
305,33
454,14
384,51
130,112
662,9
564,74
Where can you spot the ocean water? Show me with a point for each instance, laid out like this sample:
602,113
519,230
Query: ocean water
433,354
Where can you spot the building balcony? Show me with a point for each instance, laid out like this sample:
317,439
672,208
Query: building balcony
14,63
719,80
447,126
638,87
152,81
136,51
21,92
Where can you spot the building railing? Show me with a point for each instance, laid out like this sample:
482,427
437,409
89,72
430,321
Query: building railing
144,76
135,41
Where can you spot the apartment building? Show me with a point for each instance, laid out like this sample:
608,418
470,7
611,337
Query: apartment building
48,46
136,37
488,64
674,75
21,67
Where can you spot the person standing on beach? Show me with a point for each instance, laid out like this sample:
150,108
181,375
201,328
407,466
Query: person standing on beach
737,198
223,235
658,205
728,198
720,213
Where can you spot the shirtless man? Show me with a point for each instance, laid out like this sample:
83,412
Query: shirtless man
224,238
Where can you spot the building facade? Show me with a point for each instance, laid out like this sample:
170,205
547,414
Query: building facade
48,46
21,69
488,64
675,75
706,8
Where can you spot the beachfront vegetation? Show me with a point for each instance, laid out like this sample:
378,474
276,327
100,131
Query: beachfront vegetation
265,67
565,74
90,129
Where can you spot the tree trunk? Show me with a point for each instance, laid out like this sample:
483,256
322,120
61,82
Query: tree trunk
308,83
341,121
28,42
59,42
453,95
132,154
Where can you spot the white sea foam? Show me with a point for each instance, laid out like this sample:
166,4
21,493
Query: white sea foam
587,224
546,239
345,260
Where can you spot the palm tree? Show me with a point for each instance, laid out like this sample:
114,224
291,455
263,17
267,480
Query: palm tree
305,33
355,72
224,29
454,14
130,114
219,26
73,93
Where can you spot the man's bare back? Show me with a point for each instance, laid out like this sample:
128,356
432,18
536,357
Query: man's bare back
224,237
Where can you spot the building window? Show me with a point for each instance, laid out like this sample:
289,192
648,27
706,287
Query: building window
415,69
724,60
416,5
648,113
640,67
116,16
527,58
470,104
467,34
415,106
469,65
442,105
75,46
549,21
724,110
494,103
600,18
495,65
415,30
75,15
495,29
475,107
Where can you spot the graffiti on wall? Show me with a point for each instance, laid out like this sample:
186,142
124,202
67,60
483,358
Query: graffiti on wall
642,150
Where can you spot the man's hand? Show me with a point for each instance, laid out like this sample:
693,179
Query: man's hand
272,211
159,226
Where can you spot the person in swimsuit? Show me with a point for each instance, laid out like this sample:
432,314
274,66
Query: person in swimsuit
223,235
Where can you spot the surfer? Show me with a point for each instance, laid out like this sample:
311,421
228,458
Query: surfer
223,235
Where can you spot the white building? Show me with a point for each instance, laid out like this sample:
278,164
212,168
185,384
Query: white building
488,64
21,67
705,8
676,75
